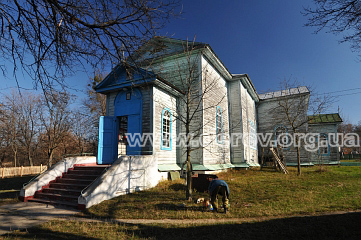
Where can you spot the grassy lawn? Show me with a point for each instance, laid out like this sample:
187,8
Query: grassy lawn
254,194
10,188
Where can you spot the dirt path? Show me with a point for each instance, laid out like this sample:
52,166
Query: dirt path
209,221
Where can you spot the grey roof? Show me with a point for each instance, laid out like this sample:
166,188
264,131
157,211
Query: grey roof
283,93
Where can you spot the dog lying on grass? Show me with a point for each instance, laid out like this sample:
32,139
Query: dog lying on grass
207,206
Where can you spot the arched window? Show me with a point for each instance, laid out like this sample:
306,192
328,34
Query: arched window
166,139
323,145
219,125
280,137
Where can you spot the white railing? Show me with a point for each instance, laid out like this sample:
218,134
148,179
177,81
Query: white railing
21,171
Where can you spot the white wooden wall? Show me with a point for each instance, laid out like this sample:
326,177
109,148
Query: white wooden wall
162,100
316,157
270,115
248,118
214,87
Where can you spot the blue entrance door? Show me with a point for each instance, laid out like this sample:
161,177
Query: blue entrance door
129,104
134,135
108,140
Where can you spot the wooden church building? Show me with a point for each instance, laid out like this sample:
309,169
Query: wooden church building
172,94
172,100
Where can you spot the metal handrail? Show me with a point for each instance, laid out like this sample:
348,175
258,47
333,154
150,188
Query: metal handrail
84,189
25,184
76,154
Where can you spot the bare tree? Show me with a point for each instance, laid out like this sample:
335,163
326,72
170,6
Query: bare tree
95,103
11,124
55,119
29,123
338,16
49,39
82,130
290,110
196,108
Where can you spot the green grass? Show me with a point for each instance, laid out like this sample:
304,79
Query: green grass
272,205
253,194
10,188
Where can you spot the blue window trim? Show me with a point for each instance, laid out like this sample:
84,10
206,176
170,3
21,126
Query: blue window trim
217,128
275,133
162,147
328,146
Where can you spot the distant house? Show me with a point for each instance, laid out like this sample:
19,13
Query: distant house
272,111
325,125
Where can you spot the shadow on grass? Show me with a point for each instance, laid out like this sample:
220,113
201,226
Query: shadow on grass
178,187
177,207
41,233
9,194
10,188
344,226
14,182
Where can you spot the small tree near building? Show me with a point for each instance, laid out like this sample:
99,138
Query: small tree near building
199,107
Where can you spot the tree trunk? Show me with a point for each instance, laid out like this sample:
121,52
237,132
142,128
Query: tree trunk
189,191
15,151
50,157
298,161
29,158
15,157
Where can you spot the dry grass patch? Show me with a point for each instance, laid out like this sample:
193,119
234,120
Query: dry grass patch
253,194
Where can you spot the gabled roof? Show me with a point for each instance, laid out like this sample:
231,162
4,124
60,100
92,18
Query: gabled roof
159,48
247,83
284,93
325,118
162,47
119,78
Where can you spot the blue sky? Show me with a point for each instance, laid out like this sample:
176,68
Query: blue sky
268,41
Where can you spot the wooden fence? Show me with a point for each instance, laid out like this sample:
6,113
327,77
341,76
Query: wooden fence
21,171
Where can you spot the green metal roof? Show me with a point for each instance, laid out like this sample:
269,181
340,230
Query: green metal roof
168,167
325,118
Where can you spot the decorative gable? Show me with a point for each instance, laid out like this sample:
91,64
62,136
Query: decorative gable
125,76
162,47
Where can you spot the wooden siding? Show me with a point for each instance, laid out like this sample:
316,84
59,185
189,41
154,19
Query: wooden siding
333,155
248,119
243,118
235,123
270,115
176,70
214,90
162,100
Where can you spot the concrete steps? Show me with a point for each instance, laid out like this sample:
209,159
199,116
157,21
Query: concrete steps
65,190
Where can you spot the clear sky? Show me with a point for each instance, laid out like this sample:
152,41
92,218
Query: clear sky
267,40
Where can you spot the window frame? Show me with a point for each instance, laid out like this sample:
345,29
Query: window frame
276,136
327,147
219,125
162,146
